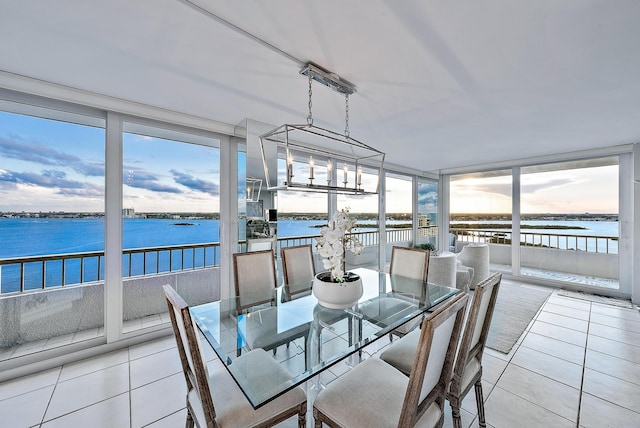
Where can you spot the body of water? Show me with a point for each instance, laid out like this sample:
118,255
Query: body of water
23,237
570,228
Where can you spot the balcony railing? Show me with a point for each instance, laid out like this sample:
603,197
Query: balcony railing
39,272
588,243
21,274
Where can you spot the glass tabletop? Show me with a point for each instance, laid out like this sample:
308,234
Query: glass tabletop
305,337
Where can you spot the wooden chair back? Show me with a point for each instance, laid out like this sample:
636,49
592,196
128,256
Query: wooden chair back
477,324
409,262
191,355
298,270
297,264
434,359
254,277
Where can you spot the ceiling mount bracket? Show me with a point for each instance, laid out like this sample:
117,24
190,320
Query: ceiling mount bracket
329,79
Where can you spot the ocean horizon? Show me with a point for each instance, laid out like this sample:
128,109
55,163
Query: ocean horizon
25,237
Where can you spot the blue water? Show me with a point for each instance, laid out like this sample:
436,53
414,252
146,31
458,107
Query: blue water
23,237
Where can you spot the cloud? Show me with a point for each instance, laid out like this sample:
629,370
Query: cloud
32,151
141,179
546,185
197,184
50,179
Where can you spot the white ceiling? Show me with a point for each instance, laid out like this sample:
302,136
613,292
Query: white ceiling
440,84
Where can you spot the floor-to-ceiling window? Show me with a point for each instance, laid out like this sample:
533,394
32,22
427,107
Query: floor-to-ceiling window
398,210
51,226
480,211
428,213
364,209
171,207
569,221
561,223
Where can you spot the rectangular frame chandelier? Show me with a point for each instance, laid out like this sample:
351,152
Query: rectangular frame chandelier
319,150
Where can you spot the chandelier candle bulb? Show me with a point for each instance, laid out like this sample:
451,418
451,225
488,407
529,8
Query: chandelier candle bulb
289,167
310,167
329,173
359,178
346,170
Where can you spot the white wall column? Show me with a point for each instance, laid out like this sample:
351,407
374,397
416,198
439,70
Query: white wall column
515,220
631,227
113,229
414,209
382,230
444,214
228,212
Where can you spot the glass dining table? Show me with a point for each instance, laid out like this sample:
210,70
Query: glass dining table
305,337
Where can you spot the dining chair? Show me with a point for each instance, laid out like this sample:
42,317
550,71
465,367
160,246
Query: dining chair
255,285
375,393
254,275
259,244
411,263
467,370
298,269
209,384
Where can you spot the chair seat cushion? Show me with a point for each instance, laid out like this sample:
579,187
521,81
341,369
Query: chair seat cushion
401,353
370,395
472,368
261,330
232,407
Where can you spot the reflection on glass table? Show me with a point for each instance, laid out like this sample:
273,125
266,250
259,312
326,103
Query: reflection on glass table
323,336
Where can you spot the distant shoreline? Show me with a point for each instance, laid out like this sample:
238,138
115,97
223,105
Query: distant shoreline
323,216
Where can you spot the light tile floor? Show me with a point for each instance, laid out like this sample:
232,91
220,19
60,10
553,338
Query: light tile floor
576,365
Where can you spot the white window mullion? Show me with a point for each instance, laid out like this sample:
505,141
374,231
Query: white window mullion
515,220
113,294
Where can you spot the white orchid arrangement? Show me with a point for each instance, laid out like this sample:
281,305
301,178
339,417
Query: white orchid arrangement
334,242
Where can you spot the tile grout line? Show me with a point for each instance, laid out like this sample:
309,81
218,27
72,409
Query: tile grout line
130,398
55,386
584,366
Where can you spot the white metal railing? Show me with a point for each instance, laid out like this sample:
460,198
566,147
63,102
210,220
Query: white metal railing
588,243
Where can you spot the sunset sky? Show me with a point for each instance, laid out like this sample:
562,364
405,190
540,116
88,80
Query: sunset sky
48,165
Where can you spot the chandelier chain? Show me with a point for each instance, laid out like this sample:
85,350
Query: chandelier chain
310,116
346,118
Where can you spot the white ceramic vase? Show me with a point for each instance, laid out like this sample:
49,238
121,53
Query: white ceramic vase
335,295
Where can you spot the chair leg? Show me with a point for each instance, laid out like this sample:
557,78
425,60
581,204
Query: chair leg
480,403
455,413
317,423
189,423
302,419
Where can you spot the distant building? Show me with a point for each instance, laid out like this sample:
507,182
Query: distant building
425,228
128,213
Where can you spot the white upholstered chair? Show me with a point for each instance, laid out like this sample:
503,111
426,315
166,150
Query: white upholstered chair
411,263
445,269
375,394
476,256
298,269
259,244
213,398
467,371
254,275
255,284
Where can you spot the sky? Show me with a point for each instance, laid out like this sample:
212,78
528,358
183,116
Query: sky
573,191
48,165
